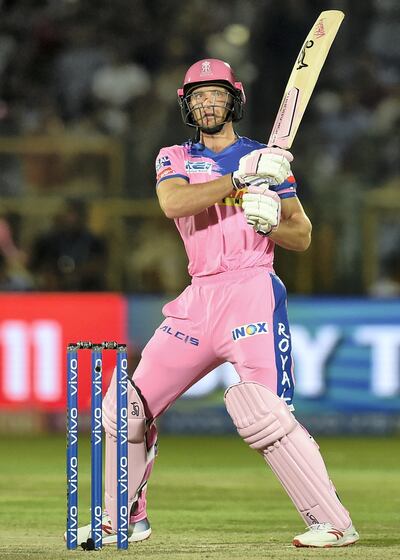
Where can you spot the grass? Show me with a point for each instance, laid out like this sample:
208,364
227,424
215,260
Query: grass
209,498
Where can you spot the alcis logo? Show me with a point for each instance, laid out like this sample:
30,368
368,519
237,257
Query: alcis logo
180,335
250,329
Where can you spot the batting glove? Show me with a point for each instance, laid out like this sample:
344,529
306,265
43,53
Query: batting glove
273,164
262,209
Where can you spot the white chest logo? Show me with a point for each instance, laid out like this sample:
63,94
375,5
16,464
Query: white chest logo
198,167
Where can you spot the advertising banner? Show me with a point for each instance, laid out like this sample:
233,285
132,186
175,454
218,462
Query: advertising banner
34,332
346,353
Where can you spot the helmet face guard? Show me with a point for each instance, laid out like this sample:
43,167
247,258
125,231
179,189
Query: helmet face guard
213,72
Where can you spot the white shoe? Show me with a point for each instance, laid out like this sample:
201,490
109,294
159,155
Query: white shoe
324,535
138,531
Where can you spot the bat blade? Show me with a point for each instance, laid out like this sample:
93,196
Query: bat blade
303,78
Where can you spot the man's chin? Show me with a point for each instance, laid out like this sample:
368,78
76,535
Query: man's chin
212,129
210,123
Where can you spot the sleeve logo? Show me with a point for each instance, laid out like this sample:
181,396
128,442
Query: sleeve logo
162,161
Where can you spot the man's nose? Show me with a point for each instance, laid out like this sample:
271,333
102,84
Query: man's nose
208,99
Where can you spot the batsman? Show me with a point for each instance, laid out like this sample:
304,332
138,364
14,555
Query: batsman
232,199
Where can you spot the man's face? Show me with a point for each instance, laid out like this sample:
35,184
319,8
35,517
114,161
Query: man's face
209,105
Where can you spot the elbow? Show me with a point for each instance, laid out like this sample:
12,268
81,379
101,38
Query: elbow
176,209
303,241
304,244
169,211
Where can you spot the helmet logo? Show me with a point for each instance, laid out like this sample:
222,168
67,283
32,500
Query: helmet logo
206,67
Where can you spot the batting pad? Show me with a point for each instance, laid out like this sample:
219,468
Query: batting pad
139,457
265,422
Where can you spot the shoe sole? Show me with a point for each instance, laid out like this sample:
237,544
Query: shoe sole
299,544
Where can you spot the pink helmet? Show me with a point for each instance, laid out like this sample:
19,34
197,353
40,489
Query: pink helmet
214,71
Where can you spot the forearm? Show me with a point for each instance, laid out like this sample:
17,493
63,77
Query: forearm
181,200
293,233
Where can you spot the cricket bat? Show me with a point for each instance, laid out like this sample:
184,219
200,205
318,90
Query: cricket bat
303,78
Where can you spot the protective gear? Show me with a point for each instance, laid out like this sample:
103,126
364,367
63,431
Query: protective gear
262,208
271,163
211,71
325,535
265,422
140,454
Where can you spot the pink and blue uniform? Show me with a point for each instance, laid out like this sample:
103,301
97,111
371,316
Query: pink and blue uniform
234,310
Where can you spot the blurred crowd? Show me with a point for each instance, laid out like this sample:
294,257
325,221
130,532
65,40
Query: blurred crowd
74,67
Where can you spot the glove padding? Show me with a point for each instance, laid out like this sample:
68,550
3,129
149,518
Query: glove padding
273,164
262,209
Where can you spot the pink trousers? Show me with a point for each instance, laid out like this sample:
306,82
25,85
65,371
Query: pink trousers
238,317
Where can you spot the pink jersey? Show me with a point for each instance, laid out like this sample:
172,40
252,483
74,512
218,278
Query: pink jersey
219,238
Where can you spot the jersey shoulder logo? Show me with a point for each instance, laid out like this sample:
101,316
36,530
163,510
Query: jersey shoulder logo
162,161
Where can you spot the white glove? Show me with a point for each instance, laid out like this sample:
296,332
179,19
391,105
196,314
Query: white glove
262,209
273,164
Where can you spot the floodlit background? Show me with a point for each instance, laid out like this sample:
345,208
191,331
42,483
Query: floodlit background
88,97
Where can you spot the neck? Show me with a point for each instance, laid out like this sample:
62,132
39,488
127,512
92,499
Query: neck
221,140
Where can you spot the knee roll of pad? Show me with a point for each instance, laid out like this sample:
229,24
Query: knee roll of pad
261,418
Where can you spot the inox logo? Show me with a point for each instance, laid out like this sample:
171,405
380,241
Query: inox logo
251,329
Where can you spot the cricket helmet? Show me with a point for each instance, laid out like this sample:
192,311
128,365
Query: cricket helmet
213,71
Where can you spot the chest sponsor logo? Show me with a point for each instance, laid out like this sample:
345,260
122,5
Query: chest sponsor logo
251,329
198,167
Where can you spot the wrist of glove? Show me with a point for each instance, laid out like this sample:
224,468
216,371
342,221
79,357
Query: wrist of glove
240,181
262,209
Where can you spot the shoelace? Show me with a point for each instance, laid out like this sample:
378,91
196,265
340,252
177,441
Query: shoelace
320,526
